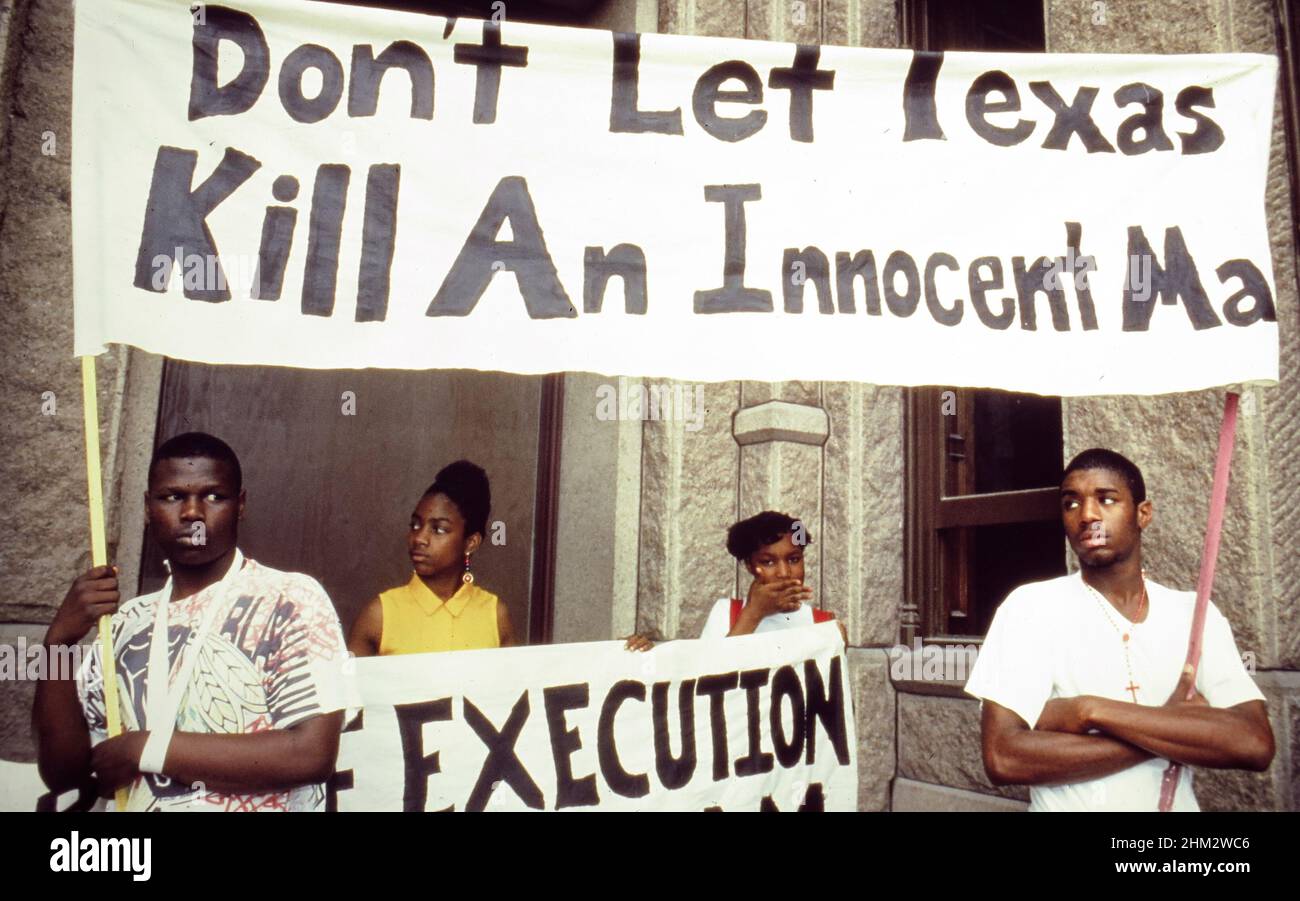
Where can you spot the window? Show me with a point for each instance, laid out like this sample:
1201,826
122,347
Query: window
1015,25
982,512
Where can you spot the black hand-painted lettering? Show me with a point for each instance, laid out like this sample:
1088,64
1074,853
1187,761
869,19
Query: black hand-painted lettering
378,239
629,785
1254,286
863,264
827,708
1177,279
207,96
733,296
904,304
920,114
525,255
801,79
786,687
978,108
1076,118
489,57
979,286
624,116
300,107
942,315
502,763
814,801
368,72
1082,265
277,240
175,218
708,94
342,780
1208,136
757,760
418,766
674,772
569,792
627,262
799,267
1150,121
715,688
1044,276
324,237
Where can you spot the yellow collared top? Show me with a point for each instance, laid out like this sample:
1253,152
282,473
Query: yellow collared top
417,621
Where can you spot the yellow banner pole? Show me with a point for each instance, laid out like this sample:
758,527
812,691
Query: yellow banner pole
99,547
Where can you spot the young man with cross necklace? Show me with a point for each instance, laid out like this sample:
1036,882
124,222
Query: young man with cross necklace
1082,677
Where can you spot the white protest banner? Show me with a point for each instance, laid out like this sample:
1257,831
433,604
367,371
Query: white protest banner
752,723
331,186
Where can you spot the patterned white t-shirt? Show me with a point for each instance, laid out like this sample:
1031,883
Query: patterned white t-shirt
272,659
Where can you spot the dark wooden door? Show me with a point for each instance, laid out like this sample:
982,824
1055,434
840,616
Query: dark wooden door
332,476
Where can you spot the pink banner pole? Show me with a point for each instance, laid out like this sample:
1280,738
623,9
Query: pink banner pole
1209,556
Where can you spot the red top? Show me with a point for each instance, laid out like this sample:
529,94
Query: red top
819,616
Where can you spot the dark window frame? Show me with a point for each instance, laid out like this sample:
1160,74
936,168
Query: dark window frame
941,508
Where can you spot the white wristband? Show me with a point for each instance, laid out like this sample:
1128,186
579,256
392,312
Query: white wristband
154,754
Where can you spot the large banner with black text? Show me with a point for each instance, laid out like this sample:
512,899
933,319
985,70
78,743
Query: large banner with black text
760,722
328,186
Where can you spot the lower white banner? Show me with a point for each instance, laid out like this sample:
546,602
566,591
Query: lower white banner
760,722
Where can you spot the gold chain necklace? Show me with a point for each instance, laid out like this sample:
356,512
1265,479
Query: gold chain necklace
1132,686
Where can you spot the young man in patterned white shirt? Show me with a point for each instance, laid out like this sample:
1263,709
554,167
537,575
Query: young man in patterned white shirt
253,658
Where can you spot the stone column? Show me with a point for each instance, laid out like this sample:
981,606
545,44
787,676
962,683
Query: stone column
780,429
44,523
688,499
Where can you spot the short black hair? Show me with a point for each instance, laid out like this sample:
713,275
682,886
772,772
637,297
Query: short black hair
198,444
466,486
1109,460
768,527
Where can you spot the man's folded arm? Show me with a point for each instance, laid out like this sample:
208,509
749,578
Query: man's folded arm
258,762
1015,754
1237,737
254,763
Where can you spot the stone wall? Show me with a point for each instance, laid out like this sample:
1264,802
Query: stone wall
44,524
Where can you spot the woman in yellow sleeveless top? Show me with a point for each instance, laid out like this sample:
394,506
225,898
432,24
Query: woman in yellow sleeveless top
440,608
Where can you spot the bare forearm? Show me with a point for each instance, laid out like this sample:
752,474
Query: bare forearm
1037,757
264,761
1195,735
62,737
747,622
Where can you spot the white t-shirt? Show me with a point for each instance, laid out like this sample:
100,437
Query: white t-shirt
719,622
1052,640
